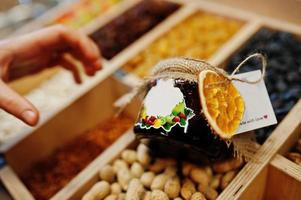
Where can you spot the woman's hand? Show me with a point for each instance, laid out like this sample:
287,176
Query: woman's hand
36,51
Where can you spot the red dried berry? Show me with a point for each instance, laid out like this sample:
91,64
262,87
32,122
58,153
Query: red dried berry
176,119
182,116
144,120
150,122
152,118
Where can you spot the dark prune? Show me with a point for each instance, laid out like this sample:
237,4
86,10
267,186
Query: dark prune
283,77
119,33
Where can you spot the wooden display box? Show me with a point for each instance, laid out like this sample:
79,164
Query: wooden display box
284,176
268,176
84,114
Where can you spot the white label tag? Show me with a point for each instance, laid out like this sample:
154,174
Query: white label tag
258,108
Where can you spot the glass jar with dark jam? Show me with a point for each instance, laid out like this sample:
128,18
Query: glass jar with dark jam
172,121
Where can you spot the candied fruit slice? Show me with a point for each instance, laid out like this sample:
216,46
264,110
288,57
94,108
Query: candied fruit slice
222,104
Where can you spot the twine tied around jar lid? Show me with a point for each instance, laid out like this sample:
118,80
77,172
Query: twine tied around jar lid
188,69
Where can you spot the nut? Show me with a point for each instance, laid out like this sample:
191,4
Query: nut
188,188
158,195
121,196
298,147
137,170
159,182
215,181
171,171
228,165
211,193
116,188
147,179
202,188
161,164
198,196
124,176
187,167
227,178
99,191
135,190
295,157
143,155
172,187
129,156
119,164
111,197
200,176
107,173
209,172
147,195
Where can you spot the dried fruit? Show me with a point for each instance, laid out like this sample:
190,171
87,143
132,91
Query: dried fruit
222,104
283,72
215,31
119,33
48,176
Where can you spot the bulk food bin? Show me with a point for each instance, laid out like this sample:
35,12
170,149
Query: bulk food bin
269,175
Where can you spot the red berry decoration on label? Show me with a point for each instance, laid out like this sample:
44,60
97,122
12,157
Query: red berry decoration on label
176,119
152,118
182,116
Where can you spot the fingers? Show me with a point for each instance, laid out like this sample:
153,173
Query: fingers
69,65
38,48
18,106
82,48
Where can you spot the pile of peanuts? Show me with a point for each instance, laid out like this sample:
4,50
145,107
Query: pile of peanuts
295,154
136,175
199,36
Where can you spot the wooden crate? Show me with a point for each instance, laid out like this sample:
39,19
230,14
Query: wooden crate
262,178
84,114
284,176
